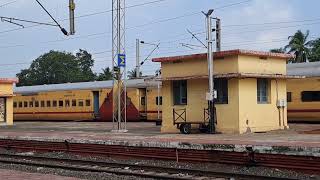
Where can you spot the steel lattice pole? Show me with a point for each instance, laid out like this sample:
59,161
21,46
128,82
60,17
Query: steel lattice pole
119,73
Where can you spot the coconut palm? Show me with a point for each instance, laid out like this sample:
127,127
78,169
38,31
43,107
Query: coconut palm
133,73
299,45
279,50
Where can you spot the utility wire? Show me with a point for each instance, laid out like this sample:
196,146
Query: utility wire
23,20
5,4
65,32
146,24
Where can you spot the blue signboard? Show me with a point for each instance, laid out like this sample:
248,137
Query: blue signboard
121,60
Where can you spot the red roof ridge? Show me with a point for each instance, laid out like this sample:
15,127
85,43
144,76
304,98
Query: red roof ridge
9,80
223,54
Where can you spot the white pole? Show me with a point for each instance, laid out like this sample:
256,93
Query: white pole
137,58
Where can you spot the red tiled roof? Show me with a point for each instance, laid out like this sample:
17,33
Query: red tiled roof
9,80
222,54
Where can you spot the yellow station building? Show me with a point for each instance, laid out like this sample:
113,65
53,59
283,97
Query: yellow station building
6,101
250,85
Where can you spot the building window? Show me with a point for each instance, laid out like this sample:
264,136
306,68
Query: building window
262,91
143,101
80,103
159,99
221,86
67,103
48,103
310,96
14,104
88,103
25,104
36,104
31,104
74,103
42,104
289,97
60,103
54,103
180,92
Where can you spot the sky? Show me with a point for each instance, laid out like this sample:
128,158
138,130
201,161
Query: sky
246,24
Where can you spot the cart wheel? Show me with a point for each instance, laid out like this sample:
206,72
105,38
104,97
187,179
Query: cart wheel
185,128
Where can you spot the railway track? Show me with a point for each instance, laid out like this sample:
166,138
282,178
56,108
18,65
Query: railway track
307,164
126,169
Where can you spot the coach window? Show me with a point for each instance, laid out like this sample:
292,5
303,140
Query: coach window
67,103
221,85
60,103
54,103
159,100
36,104
48,103
42,104
310,96
14,104
180,92
25,104
88,103
20,104
74,103
289,96
80,103
31,104
143,101
263,91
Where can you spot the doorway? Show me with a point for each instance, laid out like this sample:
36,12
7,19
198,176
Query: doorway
3,110
96,104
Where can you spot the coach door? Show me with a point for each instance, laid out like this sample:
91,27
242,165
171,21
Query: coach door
143,103
96,104
2,110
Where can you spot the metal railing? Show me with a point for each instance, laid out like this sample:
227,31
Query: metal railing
179,115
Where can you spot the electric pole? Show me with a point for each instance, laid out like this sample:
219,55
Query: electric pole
211,95
72,7
137,58
218,34
119,67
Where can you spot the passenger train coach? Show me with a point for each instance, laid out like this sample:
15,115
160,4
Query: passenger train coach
85,101
303,95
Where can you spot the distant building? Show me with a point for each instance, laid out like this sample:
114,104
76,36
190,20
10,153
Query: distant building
251,90
6,101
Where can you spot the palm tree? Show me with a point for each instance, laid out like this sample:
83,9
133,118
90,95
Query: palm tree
133,73
279,50
299,45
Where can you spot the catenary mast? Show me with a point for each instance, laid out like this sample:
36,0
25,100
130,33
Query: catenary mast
119,66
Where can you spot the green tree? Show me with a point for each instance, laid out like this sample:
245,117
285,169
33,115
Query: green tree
315,50
56,67
299,45
105,75
279,50
133,73
85,63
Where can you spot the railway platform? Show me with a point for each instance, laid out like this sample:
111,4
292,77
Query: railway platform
300,139
296,148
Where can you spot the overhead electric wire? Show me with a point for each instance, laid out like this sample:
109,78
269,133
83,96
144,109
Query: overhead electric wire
138,5
61,28
28,21
7,3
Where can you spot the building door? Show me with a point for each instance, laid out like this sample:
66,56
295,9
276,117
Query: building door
2,110
96,103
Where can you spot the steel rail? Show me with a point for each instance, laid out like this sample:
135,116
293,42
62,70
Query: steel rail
149,171
249,158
